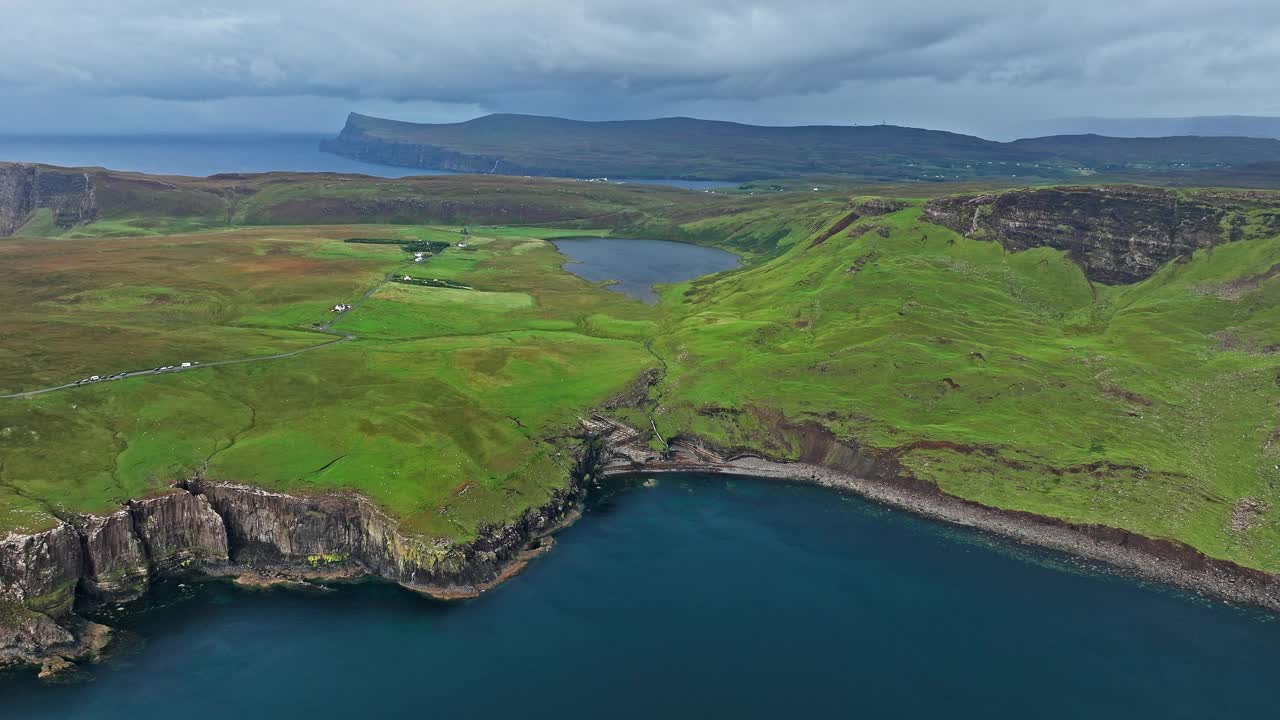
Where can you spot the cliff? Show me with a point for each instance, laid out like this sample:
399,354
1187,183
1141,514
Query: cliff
225,529
356,141
1117,235
24,189
230,529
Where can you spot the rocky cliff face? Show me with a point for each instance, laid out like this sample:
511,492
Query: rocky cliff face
221,528
355,143
1117,234
115,562
25,188
290,534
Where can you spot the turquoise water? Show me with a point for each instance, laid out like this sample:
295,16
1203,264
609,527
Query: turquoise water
701,597
637,265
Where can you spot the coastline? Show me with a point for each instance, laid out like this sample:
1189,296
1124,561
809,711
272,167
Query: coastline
881,480
261,538
254,536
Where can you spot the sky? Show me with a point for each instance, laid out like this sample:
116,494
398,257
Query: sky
988,67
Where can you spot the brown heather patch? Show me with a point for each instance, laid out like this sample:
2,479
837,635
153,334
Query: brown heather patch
282,264
1120,393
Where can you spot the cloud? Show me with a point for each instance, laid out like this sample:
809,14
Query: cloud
602,58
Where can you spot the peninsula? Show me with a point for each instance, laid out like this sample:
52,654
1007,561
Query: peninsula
688,148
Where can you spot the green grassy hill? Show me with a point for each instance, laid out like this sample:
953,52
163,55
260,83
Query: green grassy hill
442,411
996,368
1004,377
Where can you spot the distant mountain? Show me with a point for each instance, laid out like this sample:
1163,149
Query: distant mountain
1207,126
1152,153
713,150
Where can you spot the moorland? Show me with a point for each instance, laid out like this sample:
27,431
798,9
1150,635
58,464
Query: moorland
1103,355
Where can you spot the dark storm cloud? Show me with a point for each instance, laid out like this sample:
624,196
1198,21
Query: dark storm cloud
602,58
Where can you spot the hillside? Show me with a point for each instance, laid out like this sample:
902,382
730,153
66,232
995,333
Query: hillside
1001,372
42,200
1100,359
1107,154
703,149
1255,126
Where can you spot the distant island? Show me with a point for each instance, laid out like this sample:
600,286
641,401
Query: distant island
692,149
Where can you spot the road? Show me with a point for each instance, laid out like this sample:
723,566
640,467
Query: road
325,328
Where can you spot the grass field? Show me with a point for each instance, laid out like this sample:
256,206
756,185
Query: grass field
439,410
1007,378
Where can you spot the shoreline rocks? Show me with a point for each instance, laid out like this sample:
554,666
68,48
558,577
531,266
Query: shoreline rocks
267,538
828,463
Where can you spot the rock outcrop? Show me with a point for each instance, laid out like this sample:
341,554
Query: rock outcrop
1116,234
26,188
228,529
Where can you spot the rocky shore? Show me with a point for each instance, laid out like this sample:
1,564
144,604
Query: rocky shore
234,530
878,477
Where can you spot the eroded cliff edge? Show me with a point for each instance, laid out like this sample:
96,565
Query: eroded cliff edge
70,196
359,141
1117,234
219,528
